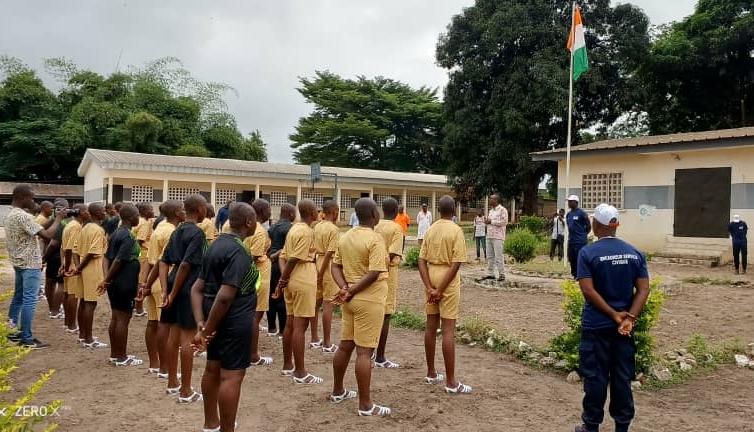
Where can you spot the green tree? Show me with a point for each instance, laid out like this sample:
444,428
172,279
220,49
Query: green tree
508,89
370,123
698,75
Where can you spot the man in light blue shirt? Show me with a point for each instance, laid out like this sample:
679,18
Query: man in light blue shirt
354,222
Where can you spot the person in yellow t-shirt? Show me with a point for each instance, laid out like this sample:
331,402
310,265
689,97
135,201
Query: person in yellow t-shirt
440,258
360,269
72,284
298,284
226,228
156,333
392,237
326,235
90,248
143,233
259,243
208,225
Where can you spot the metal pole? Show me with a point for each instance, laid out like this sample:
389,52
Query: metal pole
570,121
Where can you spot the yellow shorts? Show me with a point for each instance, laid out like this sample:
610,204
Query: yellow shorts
362,322
91,276
450,302
329,289
263,295
153,302
73,286
300,299
143,268
392,290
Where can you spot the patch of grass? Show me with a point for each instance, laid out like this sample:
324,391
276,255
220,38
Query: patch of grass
409,319
703,280
555,267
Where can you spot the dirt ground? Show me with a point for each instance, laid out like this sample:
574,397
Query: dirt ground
508,396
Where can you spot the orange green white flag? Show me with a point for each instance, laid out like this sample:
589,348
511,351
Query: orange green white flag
577,45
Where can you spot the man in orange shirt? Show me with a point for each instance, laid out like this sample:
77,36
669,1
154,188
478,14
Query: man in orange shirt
404,221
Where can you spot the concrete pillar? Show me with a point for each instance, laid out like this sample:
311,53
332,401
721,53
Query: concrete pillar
405,197
109,198
486,205
213,195
512,215
257,192
337,200
458,211
165,189
433,205
371,192
298,193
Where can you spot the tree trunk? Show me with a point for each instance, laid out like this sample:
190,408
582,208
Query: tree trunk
530,189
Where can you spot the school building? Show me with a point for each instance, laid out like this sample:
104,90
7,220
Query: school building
113,176
677,193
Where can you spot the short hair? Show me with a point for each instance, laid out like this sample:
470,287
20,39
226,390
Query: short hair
307,207
239,213
193,202
329,206
364,209
447,205
129,210
390,207
22,190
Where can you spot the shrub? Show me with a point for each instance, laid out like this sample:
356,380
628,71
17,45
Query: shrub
412,257
10,355
521,244
535,224
408,319
567,344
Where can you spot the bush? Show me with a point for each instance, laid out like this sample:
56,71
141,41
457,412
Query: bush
535,224
521,244
412,257
10,355
567,344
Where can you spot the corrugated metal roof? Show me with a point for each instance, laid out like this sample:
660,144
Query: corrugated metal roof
657,140
46,190
166,163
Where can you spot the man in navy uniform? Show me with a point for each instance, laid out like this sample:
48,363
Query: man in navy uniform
578,230
737,229
609,270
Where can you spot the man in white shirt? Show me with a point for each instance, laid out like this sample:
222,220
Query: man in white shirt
558,235
423,221
497,222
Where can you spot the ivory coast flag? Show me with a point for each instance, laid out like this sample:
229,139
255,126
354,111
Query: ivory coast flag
577,46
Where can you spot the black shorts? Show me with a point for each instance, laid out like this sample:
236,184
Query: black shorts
53,266
231,345
124,287
183,313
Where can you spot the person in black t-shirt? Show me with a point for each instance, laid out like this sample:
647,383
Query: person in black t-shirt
121,282
278,233
224,300
110,224
184,252
51,259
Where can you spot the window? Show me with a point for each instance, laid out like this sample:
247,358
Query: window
479,204
416,201
181,193
314,196
602,188
345,201
142,194
222,196
380,198
277,198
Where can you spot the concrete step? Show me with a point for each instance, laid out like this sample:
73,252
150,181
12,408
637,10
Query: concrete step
698,240
696,246
685,261
690,253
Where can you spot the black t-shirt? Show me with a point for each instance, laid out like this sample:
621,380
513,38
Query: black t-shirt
229,262
157,222
111,224
53,256
187,244
278,233
123,246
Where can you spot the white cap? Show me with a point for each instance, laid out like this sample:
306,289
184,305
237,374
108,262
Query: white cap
573,198
736,218
604,214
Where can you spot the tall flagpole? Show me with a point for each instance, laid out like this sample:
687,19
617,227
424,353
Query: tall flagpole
570,120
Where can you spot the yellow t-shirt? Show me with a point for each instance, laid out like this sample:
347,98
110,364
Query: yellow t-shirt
259,243
392,236
208,226
159,241
360,251
326,236
71,233
444,244
91,241
300,244
41,219
143,233
226,227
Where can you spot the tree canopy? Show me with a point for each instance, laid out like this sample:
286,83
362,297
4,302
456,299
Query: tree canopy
508,89
700,71
368,123
159,109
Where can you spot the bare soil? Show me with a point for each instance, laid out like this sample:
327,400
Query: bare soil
508,396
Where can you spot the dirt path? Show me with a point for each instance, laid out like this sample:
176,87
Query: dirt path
508,396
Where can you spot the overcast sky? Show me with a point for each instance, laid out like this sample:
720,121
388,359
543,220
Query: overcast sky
258,47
